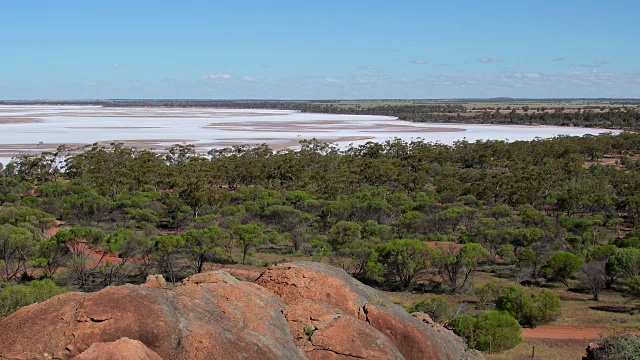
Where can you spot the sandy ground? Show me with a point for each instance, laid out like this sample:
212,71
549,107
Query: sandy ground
277,144
325,126
18,120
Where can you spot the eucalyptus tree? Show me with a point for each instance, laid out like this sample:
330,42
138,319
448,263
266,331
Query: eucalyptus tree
406,260
205,244
16,247
248,236
456,266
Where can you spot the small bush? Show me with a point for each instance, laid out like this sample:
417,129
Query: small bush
633,284
494,331
530,307
308,330
14,297
465,327
562,266
437,308
617,347
490,292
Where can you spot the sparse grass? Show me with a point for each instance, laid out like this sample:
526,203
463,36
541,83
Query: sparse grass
405,298
613,311
264,259
545,349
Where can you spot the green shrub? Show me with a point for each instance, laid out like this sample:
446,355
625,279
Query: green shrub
530,307
627,242
437,308
490,292
405,260
308,330
493,331
562,266
617,347
22,214
633,284
624,263
13,297
465,327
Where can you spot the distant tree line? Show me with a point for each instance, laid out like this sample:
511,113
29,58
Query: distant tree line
625,117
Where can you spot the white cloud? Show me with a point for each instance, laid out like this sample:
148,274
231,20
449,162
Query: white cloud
366,67
488,60
418,62
116,65
523,82
216,76
597,64
557,59
98,83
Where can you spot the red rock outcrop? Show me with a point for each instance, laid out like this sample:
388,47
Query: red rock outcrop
214,317
293,311
325,332
123,349
155,281
334,287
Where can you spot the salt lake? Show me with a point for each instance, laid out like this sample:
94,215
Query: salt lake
32,129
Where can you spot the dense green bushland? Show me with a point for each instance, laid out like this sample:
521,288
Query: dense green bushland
401,215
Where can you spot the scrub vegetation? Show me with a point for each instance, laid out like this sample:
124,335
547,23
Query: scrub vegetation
506,235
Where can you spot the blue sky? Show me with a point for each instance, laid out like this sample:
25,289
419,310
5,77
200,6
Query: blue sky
70,49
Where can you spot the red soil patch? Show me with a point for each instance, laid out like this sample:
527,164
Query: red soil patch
445,245
606,160
96,256
53,230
